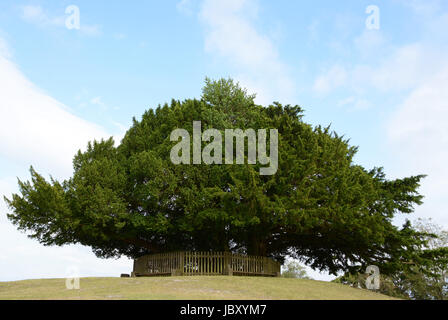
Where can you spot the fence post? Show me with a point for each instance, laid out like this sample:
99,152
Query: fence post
182,263
279,269
228,263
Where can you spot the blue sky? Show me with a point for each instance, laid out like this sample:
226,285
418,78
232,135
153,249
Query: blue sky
386,89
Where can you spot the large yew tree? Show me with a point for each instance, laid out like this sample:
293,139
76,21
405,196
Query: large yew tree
131,200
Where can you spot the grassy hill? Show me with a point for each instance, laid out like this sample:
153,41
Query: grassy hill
205,287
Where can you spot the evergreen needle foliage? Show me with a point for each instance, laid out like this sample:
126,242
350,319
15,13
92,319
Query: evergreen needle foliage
131,200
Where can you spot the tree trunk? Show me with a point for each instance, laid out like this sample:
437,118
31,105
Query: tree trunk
256,246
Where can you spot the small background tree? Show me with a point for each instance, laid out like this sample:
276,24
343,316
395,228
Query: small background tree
293,269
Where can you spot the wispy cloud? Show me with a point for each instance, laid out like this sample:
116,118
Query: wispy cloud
231,35
120,36
39,17
354,103
36,15
427,8
404,68
97,101
185,7
416,75
91,30
331,80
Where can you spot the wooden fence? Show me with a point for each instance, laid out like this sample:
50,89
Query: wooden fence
204,263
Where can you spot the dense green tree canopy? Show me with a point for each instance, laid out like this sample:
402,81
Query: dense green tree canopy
132,200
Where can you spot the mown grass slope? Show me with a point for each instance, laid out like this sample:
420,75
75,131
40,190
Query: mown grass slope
204,287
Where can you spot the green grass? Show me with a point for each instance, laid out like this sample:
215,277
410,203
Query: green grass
204,287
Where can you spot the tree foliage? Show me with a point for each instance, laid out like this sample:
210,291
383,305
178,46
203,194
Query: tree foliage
423,278
131,200
293,269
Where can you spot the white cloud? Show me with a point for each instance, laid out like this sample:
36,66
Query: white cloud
407,67
355,103
403,69
231,35
335,77
35,128
418,136
416,75
38,16
24,258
